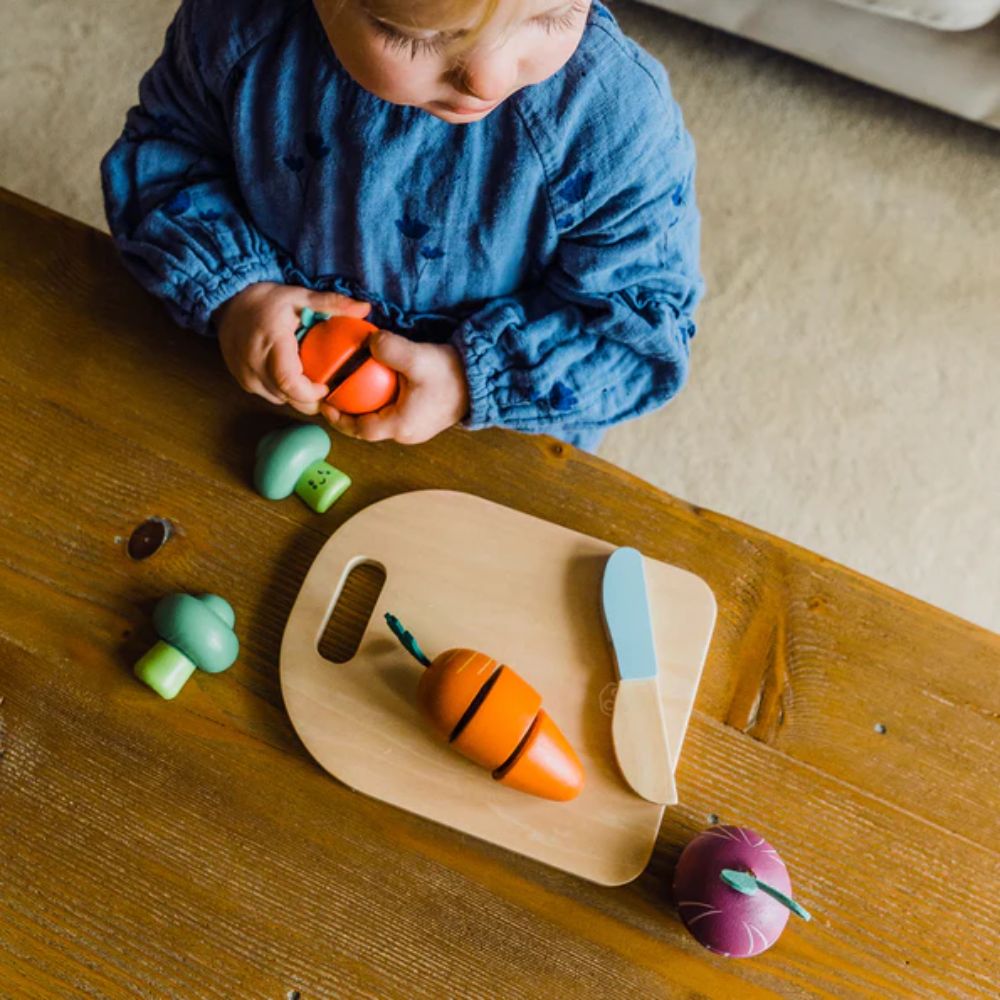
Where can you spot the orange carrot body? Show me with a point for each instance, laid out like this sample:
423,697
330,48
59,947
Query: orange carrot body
493,716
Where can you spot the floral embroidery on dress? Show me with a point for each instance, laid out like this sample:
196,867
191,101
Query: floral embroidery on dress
317,151
572,192
576,187
182,202
178,203
413,231
562,398
315,146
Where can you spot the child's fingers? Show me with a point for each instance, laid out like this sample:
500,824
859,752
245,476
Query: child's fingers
245,368
257,388
310,409
338,305
397,352
382,425
287,377
342,422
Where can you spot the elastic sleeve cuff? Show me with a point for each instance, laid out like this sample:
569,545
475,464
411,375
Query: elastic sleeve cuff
201,300
481,360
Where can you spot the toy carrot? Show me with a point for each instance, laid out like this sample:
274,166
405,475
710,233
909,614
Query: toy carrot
491,715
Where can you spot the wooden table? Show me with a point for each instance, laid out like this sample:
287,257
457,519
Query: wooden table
193,849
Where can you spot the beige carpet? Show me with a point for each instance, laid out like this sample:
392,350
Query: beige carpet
844,382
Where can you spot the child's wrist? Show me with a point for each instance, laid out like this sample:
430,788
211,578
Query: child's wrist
221,311
215,320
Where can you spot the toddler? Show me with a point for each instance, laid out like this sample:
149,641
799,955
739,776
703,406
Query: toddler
503,187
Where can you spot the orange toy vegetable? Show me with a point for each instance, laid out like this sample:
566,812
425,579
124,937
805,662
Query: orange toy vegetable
493,716
335,351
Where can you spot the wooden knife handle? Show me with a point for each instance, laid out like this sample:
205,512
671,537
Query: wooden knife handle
640,738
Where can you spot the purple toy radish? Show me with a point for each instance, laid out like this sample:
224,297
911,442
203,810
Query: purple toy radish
733,891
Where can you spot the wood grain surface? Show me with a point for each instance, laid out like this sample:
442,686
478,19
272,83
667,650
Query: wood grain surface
193,849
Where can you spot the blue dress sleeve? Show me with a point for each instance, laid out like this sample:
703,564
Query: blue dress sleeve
170,192
604,335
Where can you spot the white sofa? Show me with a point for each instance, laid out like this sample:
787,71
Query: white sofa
942,52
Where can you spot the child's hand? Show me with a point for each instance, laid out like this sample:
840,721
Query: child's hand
433,394
257,337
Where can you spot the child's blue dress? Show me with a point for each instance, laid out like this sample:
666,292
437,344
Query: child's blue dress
553,243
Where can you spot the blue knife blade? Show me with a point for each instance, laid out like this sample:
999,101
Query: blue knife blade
626,614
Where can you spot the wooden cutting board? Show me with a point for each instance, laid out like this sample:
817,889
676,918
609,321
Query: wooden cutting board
464,572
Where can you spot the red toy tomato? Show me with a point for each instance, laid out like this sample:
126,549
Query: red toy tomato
336,352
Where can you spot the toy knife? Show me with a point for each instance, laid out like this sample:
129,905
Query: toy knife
638,728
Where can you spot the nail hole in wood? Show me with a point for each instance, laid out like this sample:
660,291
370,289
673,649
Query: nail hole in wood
350,616
149,537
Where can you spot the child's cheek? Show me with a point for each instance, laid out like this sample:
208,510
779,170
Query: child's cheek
545,62
407,82
394,78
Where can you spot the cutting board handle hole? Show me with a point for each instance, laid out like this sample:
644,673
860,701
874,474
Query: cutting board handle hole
352,612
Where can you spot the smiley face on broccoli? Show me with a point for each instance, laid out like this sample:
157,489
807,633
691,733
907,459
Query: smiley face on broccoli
318,480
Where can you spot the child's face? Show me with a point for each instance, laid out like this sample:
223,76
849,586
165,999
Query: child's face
525,42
